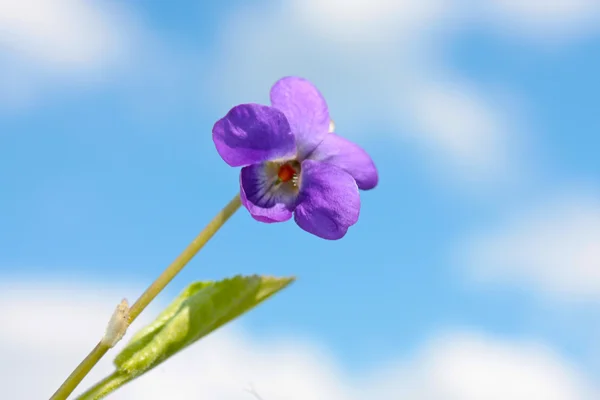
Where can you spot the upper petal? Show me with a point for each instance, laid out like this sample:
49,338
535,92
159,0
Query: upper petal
305,109
253,133
265,200
348,156
328,202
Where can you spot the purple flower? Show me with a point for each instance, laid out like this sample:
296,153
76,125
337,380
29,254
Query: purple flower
292,163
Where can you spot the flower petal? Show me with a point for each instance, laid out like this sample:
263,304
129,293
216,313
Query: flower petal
253,133
305,109
348,156
328,202
266,201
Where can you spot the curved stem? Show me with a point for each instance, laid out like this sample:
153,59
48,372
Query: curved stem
176,266
80,372
153,290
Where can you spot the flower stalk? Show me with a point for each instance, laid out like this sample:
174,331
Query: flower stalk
117,326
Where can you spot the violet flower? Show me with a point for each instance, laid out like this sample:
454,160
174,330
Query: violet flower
292,163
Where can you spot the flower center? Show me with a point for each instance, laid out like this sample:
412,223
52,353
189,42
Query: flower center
286,173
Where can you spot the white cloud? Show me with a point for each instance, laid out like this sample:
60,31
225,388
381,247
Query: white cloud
67,41
368,21
553,21
63,34
552,246
463,127
379,65
467,366
47,328
380,19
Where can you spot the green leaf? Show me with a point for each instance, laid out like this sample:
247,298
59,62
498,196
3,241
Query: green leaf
200,309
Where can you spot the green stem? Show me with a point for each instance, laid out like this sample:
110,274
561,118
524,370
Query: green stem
80,372
153,290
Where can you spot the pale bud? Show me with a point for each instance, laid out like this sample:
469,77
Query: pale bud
117,326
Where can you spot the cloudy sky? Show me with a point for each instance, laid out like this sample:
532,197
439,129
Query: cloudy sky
473,273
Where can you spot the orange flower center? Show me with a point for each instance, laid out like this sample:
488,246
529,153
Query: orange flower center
286,173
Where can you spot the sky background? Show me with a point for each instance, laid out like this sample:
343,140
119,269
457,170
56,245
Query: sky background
473,273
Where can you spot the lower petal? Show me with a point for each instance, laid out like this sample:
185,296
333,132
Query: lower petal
266,200
328,202
348,156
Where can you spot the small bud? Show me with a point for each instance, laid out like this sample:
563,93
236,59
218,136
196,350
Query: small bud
331,126
118,324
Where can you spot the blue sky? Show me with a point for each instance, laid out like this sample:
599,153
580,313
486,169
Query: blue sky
482,121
